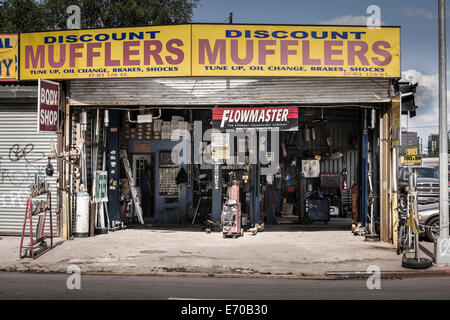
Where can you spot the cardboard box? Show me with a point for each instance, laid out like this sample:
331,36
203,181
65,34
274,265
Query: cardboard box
157,124
177,118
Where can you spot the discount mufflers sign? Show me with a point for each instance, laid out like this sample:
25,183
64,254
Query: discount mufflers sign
106,53
264,50
48,106
282,118
212,50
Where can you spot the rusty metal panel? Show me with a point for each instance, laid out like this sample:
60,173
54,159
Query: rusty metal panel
208,91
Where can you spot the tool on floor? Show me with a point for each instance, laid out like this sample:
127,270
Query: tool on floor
211,226
134,194
259,227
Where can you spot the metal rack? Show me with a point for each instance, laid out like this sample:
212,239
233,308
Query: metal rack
40,236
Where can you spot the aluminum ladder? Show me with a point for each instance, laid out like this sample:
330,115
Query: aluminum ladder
137,202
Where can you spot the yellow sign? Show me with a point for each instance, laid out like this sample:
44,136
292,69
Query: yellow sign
410,161
411,151
396,116
106,53
8,56
212,50
325,51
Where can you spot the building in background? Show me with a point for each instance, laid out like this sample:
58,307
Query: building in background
433,144
410,149
410,139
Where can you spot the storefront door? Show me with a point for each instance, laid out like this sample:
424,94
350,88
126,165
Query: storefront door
140,162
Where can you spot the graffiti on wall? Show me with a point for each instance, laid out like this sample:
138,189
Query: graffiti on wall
19,180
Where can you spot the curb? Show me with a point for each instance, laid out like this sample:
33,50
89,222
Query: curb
337,275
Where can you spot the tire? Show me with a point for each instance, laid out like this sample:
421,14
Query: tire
412,263
430,231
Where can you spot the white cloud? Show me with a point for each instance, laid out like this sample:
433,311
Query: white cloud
426,121
348,20
428,85
419,12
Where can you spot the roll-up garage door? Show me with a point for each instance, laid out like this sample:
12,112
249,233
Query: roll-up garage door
23,153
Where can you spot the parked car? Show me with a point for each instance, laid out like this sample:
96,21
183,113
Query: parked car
427,184
429,221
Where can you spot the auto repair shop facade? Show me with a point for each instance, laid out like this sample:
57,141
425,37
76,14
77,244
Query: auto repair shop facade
342,80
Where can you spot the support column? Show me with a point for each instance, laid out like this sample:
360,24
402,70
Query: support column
364,177
113,155
216,192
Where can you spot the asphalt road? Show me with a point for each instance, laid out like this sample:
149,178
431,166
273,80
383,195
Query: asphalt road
53,286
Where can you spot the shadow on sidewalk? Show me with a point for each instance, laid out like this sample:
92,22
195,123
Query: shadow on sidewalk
335,224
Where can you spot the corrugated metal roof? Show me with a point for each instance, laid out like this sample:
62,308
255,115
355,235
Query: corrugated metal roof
18,91
203,91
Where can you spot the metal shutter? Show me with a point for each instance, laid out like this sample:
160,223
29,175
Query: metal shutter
23,152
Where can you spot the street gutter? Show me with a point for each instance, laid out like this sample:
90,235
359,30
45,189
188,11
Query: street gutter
332,275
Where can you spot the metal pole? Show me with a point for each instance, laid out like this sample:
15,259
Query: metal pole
416,216
441,254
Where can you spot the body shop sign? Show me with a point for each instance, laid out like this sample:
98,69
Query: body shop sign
48,106
282,118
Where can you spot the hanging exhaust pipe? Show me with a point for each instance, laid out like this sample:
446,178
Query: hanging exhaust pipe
307,134
373,118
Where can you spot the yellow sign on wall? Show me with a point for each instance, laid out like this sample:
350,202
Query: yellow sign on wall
268,50
212,50
8,56
106,53
411,151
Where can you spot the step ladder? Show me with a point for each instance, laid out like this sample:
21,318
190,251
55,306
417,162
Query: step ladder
137,202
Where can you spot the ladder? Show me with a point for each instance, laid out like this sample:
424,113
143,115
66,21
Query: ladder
137,203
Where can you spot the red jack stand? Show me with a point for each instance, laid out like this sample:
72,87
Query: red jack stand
40,237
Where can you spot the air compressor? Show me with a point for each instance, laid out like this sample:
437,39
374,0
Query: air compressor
231,211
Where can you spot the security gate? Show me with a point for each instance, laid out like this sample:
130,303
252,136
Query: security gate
23,153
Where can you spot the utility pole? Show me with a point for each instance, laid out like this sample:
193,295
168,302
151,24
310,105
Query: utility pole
442,245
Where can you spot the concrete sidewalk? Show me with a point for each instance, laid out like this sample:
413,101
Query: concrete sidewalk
283,250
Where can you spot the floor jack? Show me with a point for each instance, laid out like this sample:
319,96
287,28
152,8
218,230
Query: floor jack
231,212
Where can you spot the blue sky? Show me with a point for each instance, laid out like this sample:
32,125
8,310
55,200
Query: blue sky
419,34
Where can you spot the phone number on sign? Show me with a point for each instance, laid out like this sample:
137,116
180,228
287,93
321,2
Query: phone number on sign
108,75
